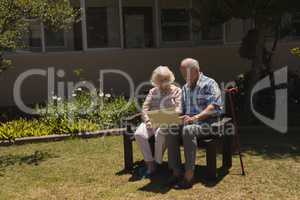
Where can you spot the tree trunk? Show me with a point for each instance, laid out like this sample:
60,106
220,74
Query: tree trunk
256,69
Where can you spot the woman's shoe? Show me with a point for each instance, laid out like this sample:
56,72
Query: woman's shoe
144,173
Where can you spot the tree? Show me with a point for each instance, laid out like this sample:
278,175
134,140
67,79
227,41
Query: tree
267,16
14,16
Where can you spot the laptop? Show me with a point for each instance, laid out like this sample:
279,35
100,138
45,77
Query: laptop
164,118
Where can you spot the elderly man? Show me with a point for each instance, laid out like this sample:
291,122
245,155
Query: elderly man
201,96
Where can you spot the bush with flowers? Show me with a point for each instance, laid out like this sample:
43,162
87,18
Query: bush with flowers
84,111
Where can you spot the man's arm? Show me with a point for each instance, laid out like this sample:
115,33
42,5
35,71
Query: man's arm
208,112
215,103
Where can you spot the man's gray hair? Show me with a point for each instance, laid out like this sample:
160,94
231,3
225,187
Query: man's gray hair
191,63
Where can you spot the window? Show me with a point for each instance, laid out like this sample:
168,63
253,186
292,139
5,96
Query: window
290,28
210,34
61,40
76,40
54,38
32,40
214,33
138,23
175,25
35,35
296,25
180,22
74,36
175,20
103,23
236,29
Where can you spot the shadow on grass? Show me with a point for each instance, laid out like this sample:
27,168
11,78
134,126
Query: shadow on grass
159,182
32,159
267,144
272,145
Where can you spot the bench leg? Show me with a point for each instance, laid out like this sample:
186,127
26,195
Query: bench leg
227,152
211,160
128,152
152,145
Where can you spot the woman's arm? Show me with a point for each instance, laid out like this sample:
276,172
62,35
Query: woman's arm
147,105
178,100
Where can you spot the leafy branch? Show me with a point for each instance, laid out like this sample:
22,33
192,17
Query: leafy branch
295,51
14,16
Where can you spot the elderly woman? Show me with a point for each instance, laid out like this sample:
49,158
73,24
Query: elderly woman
164,95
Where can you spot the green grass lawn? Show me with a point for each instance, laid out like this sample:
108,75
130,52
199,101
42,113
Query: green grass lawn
92,169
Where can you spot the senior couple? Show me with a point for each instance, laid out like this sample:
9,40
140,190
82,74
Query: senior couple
196,101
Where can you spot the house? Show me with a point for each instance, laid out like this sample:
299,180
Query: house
133,36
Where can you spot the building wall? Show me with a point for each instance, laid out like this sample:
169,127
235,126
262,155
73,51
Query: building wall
220,62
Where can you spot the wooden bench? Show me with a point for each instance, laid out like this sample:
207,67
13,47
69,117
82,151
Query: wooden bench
210,144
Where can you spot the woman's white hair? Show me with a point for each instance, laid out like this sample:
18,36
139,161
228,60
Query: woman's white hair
162,71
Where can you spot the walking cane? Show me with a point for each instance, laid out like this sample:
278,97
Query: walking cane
231,92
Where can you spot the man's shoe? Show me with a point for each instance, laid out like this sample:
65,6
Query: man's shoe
158,167
183,185
173,181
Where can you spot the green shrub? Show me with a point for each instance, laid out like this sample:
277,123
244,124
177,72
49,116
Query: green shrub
112,113
23,128
84,113
296,51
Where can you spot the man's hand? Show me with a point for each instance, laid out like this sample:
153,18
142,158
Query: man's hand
205,114
188,120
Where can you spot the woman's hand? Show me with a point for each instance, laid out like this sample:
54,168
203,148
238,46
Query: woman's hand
148,125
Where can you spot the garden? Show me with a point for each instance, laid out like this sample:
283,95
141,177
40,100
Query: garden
92,168
85,112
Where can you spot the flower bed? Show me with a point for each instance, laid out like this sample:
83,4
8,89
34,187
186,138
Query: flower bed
84,112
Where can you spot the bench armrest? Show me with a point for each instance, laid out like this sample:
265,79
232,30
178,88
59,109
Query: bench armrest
222,122
135,117
131,122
